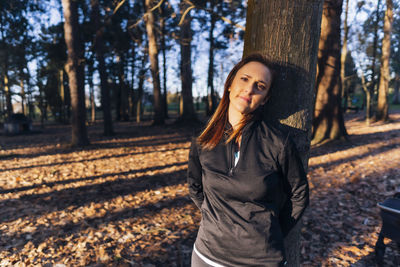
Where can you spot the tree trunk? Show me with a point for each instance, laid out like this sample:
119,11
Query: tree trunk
328,123
74,68
91,92
62,94
396,94
139,107
374,48
210,81
288,32
122,90
153,56
21,83
367,94
132,110
344,93
7,92
164,56
186,66
104,86
382,112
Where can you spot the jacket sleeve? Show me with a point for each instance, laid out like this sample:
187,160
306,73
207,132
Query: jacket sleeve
295,186
194,175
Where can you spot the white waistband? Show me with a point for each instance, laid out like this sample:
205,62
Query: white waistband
208,261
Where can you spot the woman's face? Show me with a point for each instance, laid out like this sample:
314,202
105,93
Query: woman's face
249,88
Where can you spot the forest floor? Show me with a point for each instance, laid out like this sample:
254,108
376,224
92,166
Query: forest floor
123,201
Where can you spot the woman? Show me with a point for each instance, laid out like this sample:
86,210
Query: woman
245,176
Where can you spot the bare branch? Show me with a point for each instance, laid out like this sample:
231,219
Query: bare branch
185,13
219,16
156,6
118,6
151,10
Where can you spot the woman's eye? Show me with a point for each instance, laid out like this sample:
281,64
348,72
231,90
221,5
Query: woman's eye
244,79
261,87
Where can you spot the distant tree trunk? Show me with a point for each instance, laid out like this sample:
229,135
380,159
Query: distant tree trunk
153,56
116,89
41,102
382,112
328,123
211,106
164,56
131,90
62,94
396,95
186,66
367,93
7,92
21,83
122,90
104,86
180,104
139,106
374,51
344,93
91,92
74,69
293,48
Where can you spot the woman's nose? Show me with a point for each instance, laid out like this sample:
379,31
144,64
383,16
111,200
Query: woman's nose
250,87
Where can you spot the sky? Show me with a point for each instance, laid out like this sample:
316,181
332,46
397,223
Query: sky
199,57
223,62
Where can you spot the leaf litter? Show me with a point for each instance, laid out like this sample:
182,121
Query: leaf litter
123,200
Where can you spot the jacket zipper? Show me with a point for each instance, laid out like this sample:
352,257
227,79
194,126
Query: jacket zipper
231,158
232,165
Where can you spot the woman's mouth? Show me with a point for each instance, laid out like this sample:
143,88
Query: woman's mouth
247,99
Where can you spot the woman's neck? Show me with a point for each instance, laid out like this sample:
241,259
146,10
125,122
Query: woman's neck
234,118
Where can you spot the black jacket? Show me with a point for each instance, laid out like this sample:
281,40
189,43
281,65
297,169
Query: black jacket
247,209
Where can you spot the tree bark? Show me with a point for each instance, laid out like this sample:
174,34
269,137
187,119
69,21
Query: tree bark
288,32
132,110
367,93
164,56
74,69
344,92
104,86
154,66
211,106
21,83
188,112
7,92
382,112
62,94
374,48
396,94
91,92
328,123
123,90
139,107
186,66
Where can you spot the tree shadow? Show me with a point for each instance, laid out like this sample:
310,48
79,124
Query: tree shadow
91,178
99,146
43,232
371,152
60,134
344,214
353,141
88,160
79,196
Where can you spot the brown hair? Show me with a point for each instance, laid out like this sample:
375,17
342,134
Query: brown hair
215,127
